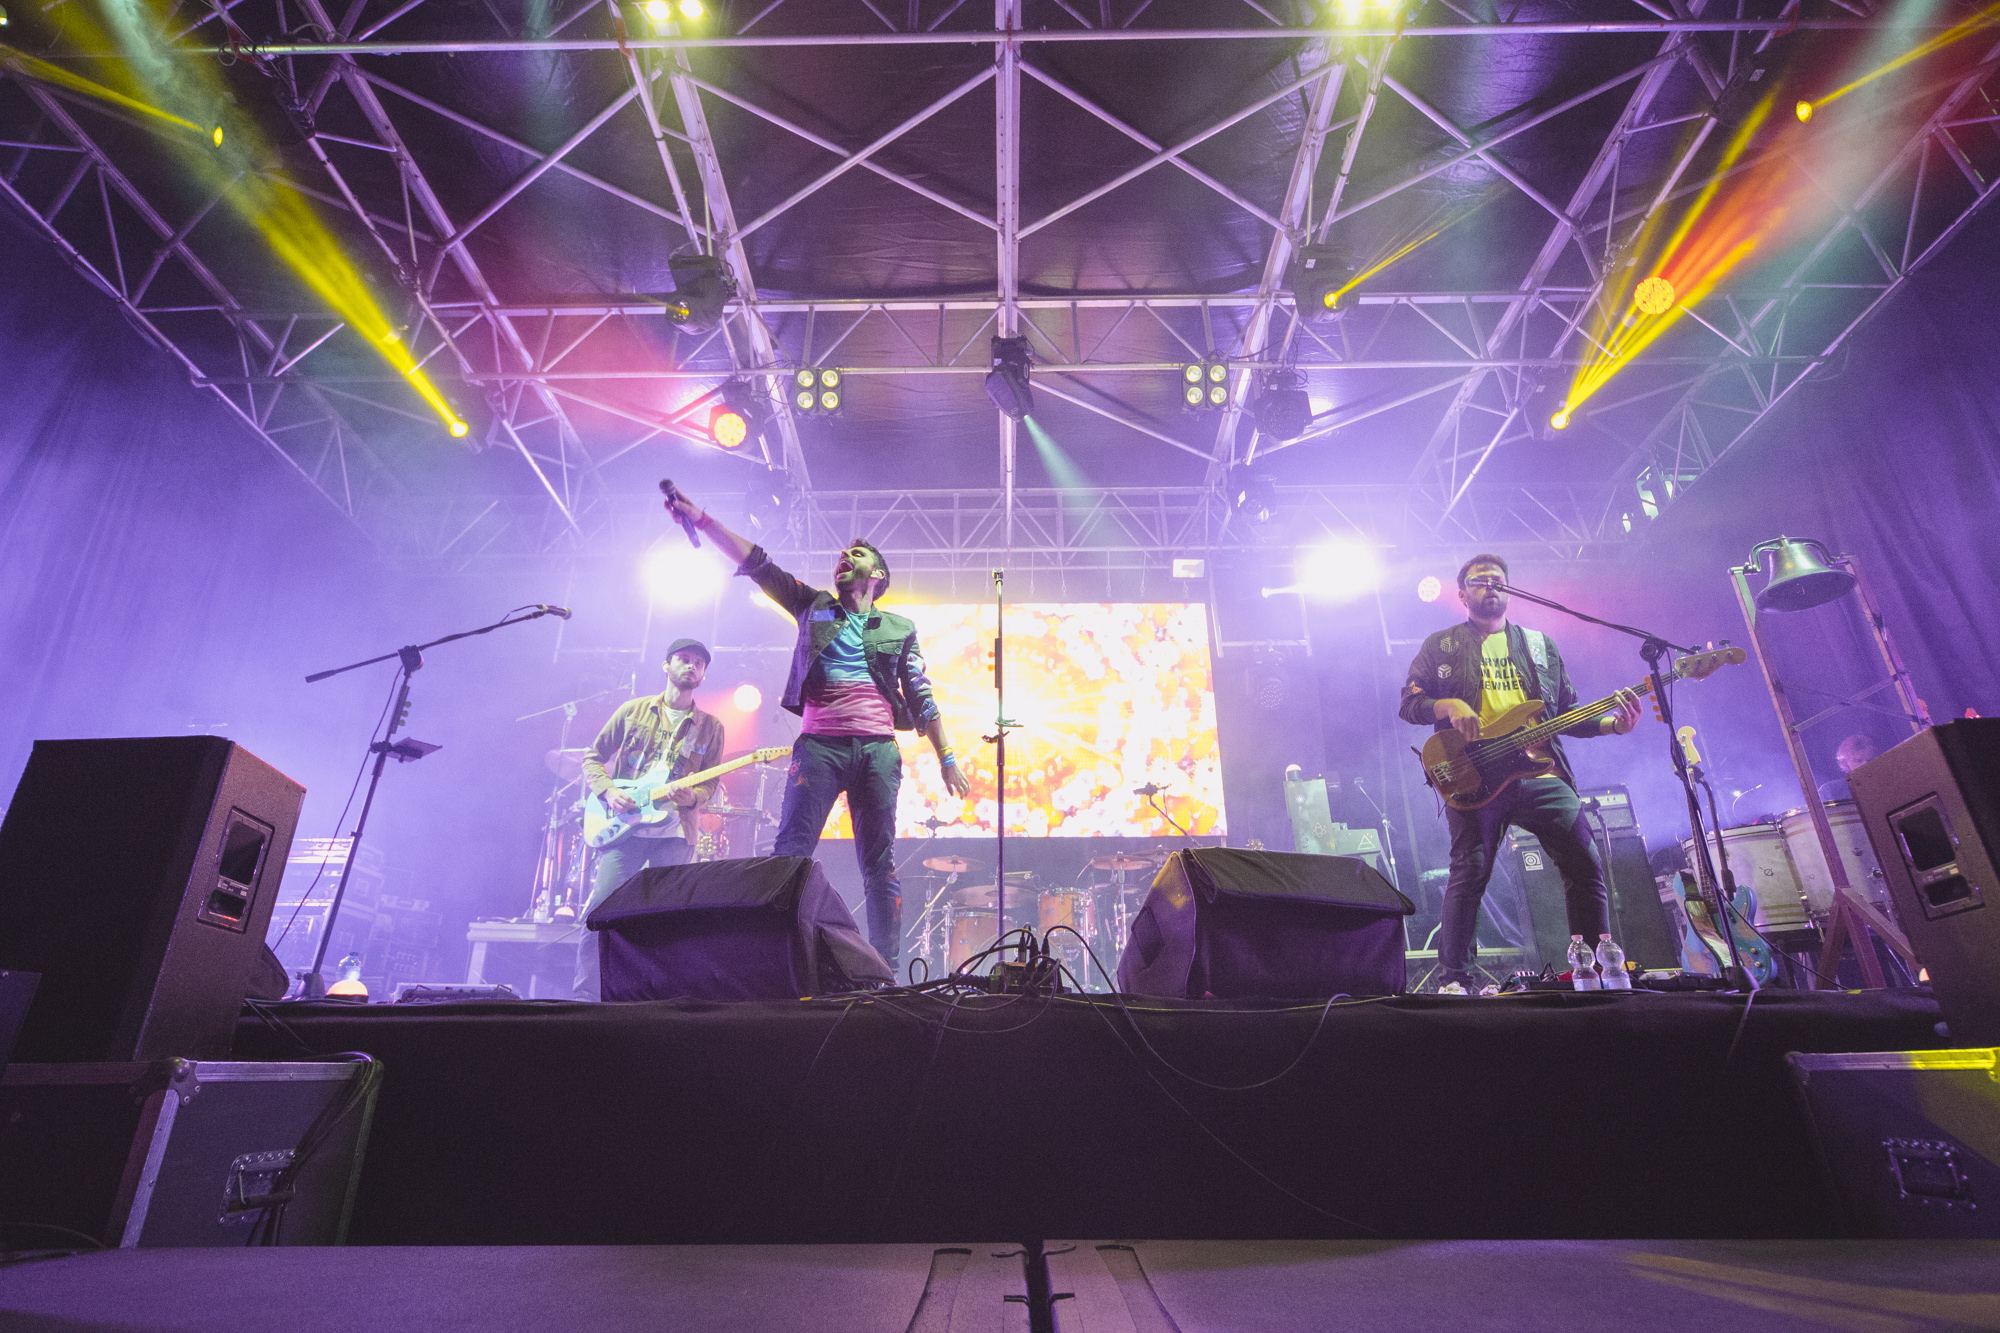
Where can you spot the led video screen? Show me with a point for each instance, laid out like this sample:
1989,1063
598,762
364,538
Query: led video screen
1108,697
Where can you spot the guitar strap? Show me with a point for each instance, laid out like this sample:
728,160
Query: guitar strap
1538,648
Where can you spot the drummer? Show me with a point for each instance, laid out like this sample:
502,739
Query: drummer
1849,755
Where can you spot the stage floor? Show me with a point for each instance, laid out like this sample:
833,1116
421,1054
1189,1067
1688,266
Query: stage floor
1114,1286
895,1118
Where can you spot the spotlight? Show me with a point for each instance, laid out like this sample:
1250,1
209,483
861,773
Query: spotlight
692,9
1429,587
1007,383
1205,385
702,287
3,18
1337,571
1655,296
1804,111
1252,494
1316,277
1560,421
1540,407
1281,408
657,10
217,136
737,417
747,698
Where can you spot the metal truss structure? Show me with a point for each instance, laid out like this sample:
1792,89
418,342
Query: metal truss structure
570,386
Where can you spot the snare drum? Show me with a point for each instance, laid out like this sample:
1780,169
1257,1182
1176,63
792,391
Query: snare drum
972,933
1850,836
1074,908
1759,860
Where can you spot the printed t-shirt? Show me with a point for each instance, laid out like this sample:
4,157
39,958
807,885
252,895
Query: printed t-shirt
1500,683
845,701
671,721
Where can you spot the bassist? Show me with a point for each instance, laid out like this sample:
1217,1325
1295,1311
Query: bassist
1466,677
661,731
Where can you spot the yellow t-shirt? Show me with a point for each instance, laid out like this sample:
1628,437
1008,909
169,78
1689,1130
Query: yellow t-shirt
1500,683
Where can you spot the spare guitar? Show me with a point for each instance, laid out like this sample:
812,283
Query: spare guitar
1469,774
655,795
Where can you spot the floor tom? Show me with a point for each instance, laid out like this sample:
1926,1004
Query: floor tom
972,932
1759,858
1075,908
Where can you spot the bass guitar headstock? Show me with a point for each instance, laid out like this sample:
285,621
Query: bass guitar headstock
1700,666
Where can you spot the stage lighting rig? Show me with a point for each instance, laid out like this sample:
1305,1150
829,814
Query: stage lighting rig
1252,493
769,503
1007,383
1205,385
1281,408
1316,278
702,288
818,391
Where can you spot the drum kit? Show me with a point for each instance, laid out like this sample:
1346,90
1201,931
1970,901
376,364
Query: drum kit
960,924
563,873
1781,860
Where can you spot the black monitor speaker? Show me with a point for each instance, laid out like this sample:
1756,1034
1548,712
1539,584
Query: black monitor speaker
762,928
1639,920
1233,924
137,877
1932,810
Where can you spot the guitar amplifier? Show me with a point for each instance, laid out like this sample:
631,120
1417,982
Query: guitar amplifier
1614,806
1638,921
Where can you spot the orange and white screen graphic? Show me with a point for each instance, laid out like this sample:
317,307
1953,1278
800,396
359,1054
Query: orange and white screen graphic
1108,697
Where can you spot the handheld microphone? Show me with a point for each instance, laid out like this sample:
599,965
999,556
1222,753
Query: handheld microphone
546,610
1150,789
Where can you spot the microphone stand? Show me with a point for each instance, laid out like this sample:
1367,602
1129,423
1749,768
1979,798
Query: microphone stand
998,740
1713,890
1388,833
411,659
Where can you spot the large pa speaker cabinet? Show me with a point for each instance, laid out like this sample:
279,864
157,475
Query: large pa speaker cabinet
764,928
137,877
1932,810
1234,924
1638,920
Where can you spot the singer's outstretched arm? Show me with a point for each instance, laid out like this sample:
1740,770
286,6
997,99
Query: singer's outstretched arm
727,542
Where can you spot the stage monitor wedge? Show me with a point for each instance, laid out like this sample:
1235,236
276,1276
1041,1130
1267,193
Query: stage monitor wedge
1931,807
137,876
1236,924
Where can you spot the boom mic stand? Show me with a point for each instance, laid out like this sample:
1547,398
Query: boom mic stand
1718,892
411,659
998,740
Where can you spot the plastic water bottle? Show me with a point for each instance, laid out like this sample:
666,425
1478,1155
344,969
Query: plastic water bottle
1582,964
1611,962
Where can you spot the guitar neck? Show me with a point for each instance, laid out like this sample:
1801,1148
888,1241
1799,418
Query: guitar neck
1562,722
720,770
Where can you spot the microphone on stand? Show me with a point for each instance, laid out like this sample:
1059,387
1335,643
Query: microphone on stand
547,610
1150,789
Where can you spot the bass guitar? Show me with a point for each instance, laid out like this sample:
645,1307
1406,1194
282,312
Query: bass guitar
603,826
1469,774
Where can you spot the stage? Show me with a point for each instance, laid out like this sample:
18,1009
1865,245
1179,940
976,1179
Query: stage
899,1118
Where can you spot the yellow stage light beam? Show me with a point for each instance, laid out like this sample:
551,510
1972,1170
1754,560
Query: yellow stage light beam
155,76
1441,220
1985,18
42,71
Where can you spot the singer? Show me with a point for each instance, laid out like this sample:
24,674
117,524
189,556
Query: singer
662,731
857,678
1464,678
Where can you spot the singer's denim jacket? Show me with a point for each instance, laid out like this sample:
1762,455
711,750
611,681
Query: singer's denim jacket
636,737
1447,667
888,640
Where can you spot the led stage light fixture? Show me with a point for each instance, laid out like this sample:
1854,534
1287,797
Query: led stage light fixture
1007,383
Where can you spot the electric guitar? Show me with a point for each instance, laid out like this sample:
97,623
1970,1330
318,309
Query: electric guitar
602,826
1469,774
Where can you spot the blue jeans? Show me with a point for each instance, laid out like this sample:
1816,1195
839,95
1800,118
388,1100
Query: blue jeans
870,770
1547,808
616,864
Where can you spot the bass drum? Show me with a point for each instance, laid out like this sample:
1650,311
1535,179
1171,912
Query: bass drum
1850,836
1760,861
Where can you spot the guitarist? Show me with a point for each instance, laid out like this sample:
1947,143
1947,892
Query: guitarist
664,729
857,678
1465,677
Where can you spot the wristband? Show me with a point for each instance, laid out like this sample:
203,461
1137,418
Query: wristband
947,758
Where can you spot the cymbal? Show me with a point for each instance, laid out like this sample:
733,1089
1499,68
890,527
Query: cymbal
1123,861
565,764
950,865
